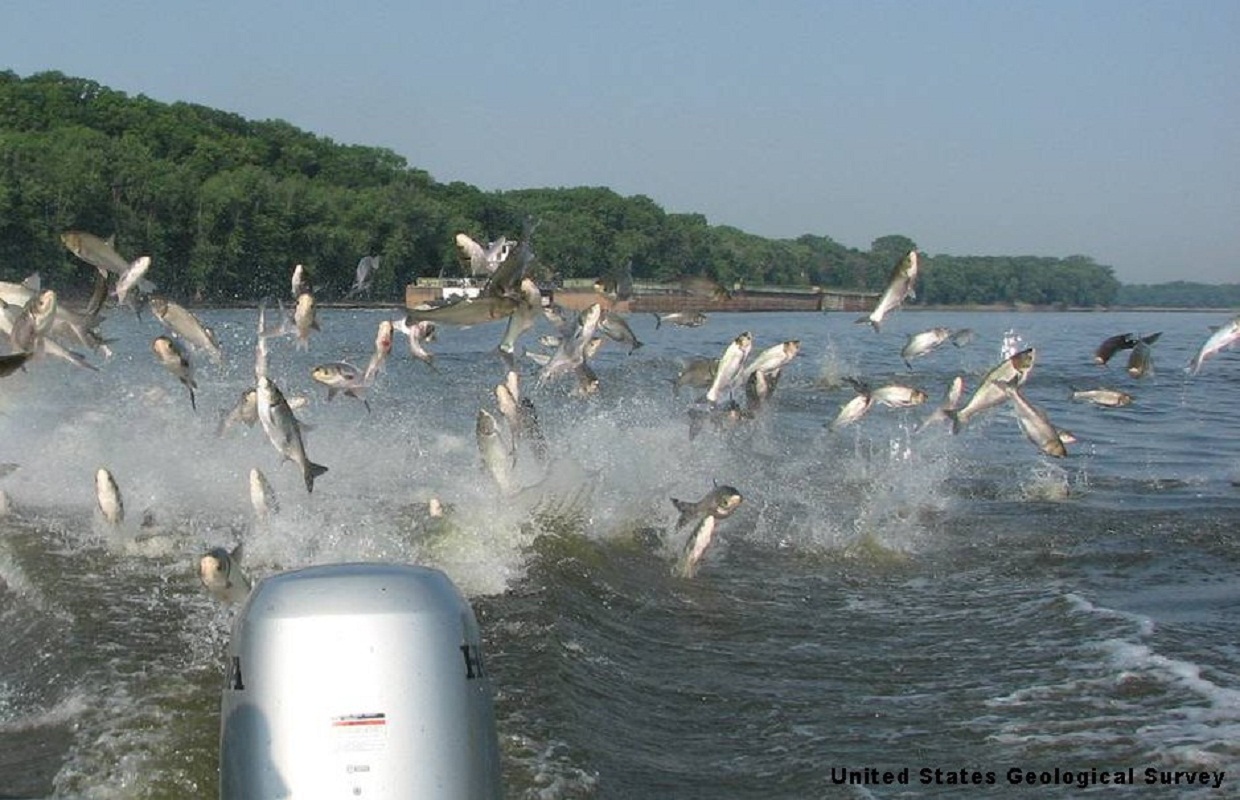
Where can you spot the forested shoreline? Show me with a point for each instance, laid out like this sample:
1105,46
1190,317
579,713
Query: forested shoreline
225,206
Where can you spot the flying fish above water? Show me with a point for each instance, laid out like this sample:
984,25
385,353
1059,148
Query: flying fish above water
173,358
342,377
1223,337
730,365
101,254
1121,341
1033,421
923,343
991,392
187,326
283,430
365,275
900,286
220,573
481,261
718,504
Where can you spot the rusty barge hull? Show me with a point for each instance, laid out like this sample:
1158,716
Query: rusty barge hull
665,303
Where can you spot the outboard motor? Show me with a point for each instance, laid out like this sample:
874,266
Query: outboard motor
357,681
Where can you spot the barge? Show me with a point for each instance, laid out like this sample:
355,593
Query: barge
578,294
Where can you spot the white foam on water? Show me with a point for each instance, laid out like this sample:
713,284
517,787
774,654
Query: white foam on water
64,712
1136,699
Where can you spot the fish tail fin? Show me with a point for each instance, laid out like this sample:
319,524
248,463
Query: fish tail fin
658,321
313,471
875,324
192,402
953,415
77,359
686,511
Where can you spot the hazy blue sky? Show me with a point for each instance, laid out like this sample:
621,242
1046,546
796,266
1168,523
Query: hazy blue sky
1104,127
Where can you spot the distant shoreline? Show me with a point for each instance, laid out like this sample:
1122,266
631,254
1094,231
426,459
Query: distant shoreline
1023,308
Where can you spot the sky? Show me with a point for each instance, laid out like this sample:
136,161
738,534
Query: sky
1106,128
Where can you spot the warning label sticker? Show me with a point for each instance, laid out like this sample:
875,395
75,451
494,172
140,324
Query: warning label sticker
354,733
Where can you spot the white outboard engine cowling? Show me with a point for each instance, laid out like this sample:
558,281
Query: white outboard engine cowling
357,681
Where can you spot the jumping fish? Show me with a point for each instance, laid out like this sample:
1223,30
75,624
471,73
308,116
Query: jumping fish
342,377
513,267
920,344
478,260
759,387
897,395
1121,341
365,275
955,390
100,254
571,354
1035,424
772,359
497,454
1140,360
1107,398
108,498
419,334
990,392
220,573
685,319
9,316
245,411
383,346
33,322
174,359
283,430
305,318
130,279
852,411
617,329
1111,345
300,281
185,324
529,301
718,504
262,496
900,286
1222,338
730,365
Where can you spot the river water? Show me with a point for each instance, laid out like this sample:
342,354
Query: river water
890,612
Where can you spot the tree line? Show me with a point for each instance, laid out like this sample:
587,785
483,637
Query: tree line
225,206
1180,294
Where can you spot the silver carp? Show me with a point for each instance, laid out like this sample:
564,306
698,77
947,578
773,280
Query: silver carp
283,430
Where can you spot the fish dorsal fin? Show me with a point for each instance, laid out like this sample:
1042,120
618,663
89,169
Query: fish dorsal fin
33,282
237,553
